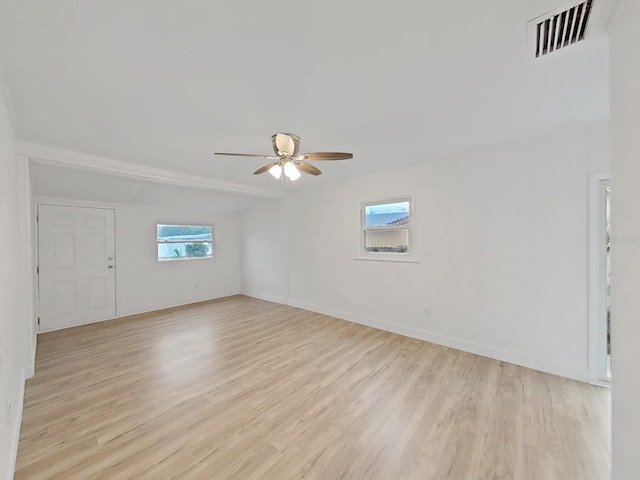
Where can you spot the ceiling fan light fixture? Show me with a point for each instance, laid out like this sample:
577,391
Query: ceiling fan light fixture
289,164
291,171
276,171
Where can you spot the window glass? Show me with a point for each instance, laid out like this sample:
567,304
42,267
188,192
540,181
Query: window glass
177,242
387,241
387,214
387,227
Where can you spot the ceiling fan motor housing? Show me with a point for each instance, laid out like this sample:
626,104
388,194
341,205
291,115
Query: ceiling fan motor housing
286,144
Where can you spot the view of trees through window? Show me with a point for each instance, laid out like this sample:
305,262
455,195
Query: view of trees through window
184,241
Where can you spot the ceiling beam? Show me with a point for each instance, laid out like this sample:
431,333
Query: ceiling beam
67,158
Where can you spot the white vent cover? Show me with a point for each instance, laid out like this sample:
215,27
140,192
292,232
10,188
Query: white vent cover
559,28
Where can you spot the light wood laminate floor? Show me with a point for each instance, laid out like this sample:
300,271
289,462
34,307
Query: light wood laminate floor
245,389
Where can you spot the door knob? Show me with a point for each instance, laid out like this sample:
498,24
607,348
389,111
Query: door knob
110,266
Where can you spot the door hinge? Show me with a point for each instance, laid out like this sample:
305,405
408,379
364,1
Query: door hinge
37,217
38,321
38,270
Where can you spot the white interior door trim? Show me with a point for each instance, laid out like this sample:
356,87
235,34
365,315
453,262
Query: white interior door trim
597,283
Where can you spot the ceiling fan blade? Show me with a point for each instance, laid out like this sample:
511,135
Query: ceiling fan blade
307,167
265,168
325,156
270,157
285,144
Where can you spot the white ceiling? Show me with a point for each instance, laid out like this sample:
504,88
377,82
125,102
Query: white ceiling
165,84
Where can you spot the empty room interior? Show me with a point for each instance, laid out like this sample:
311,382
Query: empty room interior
328,240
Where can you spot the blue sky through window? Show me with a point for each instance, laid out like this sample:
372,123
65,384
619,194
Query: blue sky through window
386,214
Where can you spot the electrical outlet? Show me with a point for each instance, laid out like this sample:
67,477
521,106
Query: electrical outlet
427,312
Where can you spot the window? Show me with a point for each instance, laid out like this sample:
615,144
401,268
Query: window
183,242
387,227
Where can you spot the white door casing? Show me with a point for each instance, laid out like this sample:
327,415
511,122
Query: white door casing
597,281
76,262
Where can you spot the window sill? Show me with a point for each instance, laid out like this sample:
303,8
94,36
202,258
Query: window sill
183,259
374,258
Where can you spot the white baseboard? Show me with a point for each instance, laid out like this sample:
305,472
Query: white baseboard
148,309
15,434
452,342
264,296
77,325
121,312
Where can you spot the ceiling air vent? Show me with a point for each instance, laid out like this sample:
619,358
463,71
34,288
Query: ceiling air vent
560,28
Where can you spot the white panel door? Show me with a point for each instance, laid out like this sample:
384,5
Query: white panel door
77,265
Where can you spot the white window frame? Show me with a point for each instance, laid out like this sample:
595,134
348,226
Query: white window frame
179,259
409,255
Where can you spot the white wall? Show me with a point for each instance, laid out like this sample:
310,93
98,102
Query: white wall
625,110
502,238
15,343
143,284
265,246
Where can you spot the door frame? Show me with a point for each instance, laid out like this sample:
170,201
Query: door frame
37,257
597,281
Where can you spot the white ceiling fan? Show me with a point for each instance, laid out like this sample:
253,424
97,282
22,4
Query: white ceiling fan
288,161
